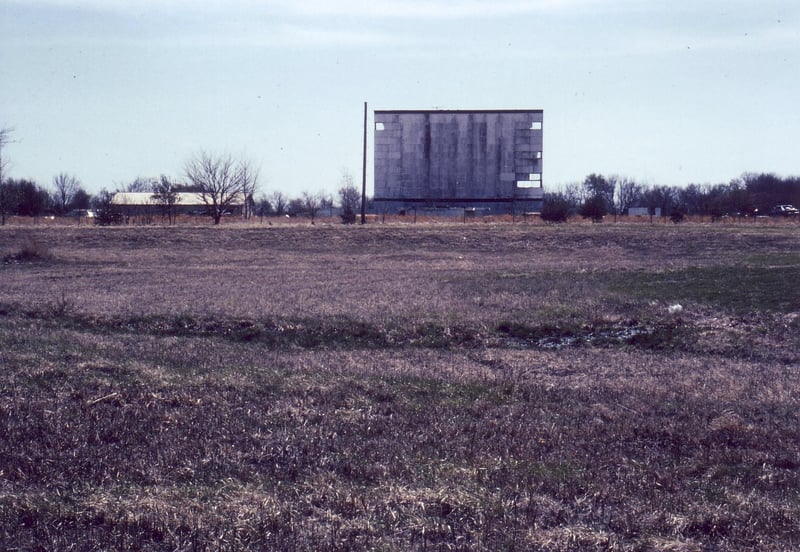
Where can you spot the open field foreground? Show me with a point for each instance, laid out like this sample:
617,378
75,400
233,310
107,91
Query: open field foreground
450,387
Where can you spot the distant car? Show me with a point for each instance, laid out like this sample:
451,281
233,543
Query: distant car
784,211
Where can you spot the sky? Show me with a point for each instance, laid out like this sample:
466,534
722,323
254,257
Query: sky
664,92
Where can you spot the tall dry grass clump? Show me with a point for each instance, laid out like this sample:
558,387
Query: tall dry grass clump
33,249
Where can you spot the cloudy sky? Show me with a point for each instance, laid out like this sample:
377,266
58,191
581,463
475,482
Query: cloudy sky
667,92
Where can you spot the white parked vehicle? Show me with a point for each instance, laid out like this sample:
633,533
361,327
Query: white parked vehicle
784,211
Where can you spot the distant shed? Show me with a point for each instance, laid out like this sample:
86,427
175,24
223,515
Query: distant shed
137,203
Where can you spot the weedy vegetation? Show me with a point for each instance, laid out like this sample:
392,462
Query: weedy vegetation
437,387
31,250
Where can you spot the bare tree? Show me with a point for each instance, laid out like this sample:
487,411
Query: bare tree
81,200
279,202
166,195
8,200
312,203
65,187
295,207
349,197
249,176
6,193
5,139
220,181
262,206
628,192
660,197
140,185
574,194
693,198
326,203
31,199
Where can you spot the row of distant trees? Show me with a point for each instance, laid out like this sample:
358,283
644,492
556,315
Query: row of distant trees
312,204
751,194
222,181
24,197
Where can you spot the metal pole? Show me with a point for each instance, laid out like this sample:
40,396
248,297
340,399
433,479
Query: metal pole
364,173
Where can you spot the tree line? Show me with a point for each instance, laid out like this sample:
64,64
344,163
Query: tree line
222,182
752,194
24,197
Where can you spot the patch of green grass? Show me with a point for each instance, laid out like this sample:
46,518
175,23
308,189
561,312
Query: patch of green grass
737,288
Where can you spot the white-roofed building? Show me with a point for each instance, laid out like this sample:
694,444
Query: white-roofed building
145,203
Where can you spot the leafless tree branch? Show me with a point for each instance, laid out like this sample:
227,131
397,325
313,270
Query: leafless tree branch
221,181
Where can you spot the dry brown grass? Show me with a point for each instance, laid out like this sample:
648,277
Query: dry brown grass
442,387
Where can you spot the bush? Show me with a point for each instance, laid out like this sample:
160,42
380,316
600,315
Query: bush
107,212
677,216
348,216
107,217
33,250
555,208
594,208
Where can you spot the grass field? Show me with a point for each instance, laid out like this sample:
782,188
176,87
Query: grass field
395,387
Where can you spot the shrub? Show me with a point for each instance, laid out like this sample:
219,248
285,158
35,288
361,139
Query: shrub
555,208
32,250
677,216
61,307
107,212
594,208
108,217
348,216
